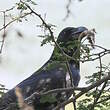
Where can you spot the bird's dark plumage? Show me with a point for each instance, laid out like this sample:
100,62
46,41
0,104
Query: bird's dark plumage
52,75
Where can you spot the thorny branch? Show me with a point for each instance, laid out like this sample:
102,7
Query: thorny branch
30,99
71,78
83,91
4,28
98,96
98,83
68,9
96,89
4,34
59,90
104,100
8,24
7,9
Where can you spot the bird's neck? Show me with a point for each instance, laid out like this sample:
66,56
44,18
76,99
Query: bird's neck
58,60
58,56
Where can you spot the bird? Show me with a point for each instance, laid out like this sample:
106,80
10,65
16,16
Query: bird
53,74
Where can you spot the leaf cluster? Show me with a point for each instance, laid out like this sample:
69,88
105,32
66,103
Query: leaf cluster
99,97
2,89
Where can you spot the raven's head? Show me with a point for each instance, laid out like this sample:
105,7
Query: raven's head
70,34
69,39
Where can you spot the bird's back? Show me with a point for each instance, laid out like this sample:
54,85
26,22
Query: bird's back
45,79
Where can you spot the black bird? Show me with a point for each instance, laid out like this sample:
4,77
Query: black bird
52,75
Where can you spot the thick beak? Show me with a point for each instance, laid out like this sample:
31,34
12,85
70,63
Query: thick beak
78,31
82,32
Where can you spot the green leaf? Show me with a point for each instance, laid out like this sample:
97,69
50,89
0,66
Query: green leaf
21,6
46,40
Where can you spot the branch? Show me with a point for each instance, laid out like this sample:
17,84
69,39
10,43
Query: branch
71,79
15,20
98,96
98,83
103,100
4,33
103,53
68,11
8,9
29,100
6,25
88,32
59,90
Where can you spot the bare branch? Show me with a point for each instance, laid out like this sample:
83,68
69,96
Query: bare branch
68,11
15,20
98,83
98,96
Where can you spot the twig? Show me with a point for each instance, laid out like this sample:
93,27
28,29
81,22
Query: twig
98,83
59,90
100,63
6,25
30,99
103,100
15,20
68,10
8,9
98,96
4,34
97,46
71,79
103,53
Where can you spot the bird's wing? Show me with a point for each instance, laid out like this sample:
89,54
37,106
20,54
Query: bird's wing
41,81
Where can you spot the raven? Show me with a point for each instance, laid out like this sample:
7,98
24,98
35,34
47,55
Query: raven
52,75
